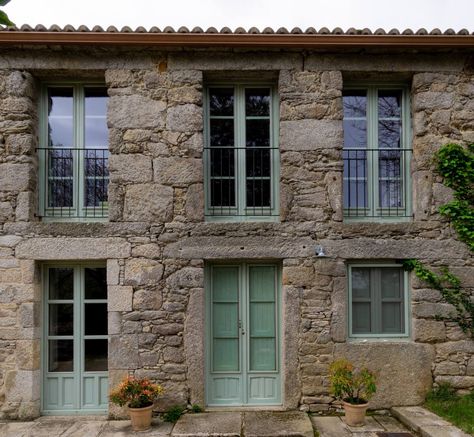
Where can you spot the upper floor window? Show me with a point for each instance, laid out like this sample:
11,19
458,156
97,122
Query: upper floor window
73,152
241,153
376,153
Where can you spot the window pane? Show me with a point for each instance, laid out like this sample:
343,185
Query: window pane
389,163
95,193
61,354
222,133
222,162
61,319
222,192
262,354
225,355
355,134
361,323
60,193
355,103
391,282
355,164
258,193
60,117
60,163
257,101
355,194
390,195
95,355
95,283
257,133
221,101
360,282
390,134
61,283
95,320
96,132
257,162
392,317
389,103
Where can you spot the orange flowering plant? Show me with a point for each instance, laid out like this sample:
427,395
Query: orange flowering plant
136,392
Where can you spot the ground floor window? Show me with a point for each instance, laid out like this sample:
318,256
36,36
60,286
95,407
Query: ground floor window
378,300
75,349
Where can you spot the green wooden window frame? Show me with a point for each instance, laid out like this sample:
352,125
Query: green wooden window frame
78,211
376,300
373,212
240,212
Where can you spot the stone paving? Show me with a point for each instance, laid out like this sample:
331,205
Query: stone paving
416,421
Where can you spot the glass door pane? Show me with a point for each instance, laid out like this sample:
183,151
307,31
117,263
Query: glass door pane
225,319
262,318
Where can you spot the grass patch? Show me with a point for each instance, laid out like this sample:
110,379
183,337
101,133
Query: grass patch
459,410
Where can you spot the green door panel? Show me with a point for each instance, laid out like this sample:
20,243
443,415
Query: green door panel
243,340
74,351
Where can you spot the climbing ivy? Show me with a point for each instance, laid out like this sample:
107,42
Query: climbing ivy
456,165
451,291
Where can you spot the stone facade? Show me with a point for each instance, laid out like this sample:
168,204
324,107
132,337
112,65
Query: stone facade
156,241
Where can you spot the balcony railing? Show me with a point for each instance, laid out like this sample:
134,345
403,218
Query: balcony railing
377,183
74,182
241,181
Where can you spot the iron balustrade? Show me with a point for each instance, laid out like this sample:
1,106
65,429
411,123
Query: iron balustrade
241,181
376,182
74,182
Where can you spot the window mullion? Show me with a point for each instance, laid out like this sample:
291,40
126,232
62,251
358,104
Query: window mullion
79,131
240,144
372,143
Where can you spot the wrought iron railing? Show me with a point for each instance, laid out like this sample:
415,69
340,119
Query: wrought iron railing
377,182
74,182
241,181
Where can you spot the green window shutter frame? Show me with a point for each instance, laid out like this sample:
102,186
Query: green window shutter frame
376,314
374,212
240,212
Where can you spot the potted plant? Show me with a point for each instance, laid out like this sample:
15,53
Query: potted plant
354,388
139,394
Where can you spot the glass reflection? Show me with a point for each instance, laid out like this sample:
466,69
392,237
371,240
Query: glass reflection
257,101
95,355
355,103
95,283
221,101
61,319
60,356
61,283
258,133
96,132
60,117
222,133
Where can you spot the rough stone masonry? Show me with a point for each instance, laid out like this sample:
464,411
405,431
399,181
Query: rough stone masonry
156,241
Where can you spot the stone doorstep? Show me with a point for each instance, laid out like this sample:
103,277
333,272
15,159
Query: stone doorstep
248,424
426,423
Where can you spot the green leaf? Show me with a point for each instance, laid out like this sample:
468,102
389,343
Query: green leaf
5,20
4,2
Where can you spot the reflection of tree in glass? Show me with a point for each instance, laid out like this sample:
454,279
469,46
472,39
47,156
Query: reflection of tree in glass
221,101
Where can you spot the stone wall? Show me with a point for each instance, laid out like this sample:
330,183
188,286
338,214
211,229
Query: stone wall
156,243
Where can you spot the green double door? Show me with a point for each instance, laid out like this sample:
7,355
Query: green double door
243,346
75,377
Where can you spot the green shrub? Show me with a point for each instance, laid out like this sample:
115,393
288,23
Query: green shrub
443,392
195,408
174,413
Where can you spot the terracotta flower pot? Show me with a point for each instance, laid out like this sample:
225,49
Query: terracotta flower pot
355,414
141,418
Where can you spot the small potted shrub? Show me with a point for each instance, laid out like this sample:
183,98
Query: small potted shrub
139,394
354,388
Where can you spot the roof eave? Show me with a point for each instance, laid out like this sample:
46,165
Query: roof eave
235,40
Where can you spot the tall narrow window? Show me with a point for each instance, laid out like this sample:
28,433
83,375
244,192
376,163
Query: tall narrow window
241,153
74,152
378,301
376,153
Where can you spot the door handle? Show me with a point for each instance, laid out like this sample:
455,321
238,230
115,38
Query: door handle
240,327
